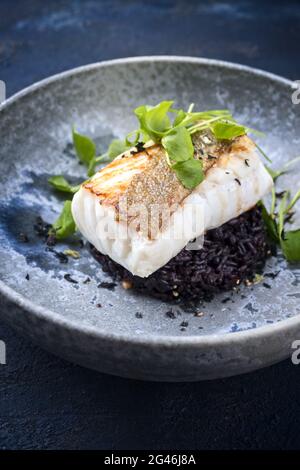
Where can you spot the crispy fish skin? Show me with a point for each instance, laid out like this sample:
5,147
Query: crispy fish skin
235,179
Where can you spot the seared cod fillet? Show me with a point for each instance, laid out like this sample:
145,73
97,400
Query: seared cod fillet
136,211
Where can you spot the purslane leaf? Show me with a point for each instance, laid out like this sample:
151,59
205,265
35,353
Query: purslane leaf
85,148
289,241
190,173
290,245
154,120
178,145
281,213
270,224
64,226
223,130
61,184
117,147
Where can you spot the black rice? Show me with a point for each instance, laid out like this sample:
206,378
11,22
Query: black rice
231,254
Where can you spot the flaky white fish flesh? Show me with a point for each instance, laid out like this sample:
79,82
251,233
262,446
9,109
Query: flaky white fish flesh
104,208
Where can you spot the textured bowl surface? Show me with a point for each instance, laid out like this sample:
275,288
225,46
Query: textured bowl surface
238,332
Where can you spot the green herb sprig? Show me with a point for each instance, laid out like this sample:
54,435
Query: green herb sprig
64,226
156,125
85,149
175,135
61,184
279,215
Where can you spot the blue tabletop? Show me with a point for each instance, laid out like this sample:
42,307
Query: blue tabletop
47,403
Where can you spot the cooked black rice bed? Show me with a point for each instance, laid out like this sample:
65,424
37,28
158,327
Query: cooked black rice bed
231,254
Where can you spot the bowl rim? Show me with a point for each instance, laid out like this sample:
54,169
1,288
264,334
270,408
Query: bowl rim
46,314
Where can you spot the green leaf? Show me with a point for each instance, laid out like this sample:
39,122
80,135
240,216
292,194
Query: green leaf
223,130
189,172
64,226
291,245
154,120
132,143
61,184
180,116
270,224
274,173
282,212
116,147
85,148
178,145
92,167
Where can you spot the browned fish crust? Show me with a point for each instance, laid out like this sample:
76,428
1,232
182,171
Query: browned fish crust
142,187
150,179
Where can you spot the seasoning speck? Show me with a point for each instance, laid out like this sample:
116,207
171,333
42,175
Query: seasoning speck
139,148
72,253
70,279
272,275
98,305
199,314
59,255
107,285
184,324
87,280
139,315
238,181
170,314
23,237
27,277
126,285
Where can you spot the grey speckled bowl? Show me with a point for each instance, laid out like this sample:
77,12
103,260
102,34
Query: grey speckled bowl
237,333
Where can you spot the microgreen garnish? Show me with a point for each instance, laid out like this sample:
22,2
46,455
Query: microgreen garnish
190,173
86,150
64,226
276,173
156,125
279,215
117,147
175,135
227,131
61,184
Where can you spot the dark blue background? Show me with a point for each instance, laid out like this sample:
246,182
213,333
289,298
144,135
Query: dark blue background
48,403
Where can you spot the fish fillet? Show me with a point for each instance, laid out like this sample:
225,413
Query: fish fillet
137,212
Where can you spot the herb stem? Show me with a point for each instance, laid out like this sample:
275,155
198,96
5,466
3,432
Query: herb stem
273,202
293,202
203,125
102,158
291,162
262,152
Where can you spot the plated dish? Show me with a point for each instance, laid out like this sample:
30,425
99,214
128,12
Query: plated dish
179,270
178,213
